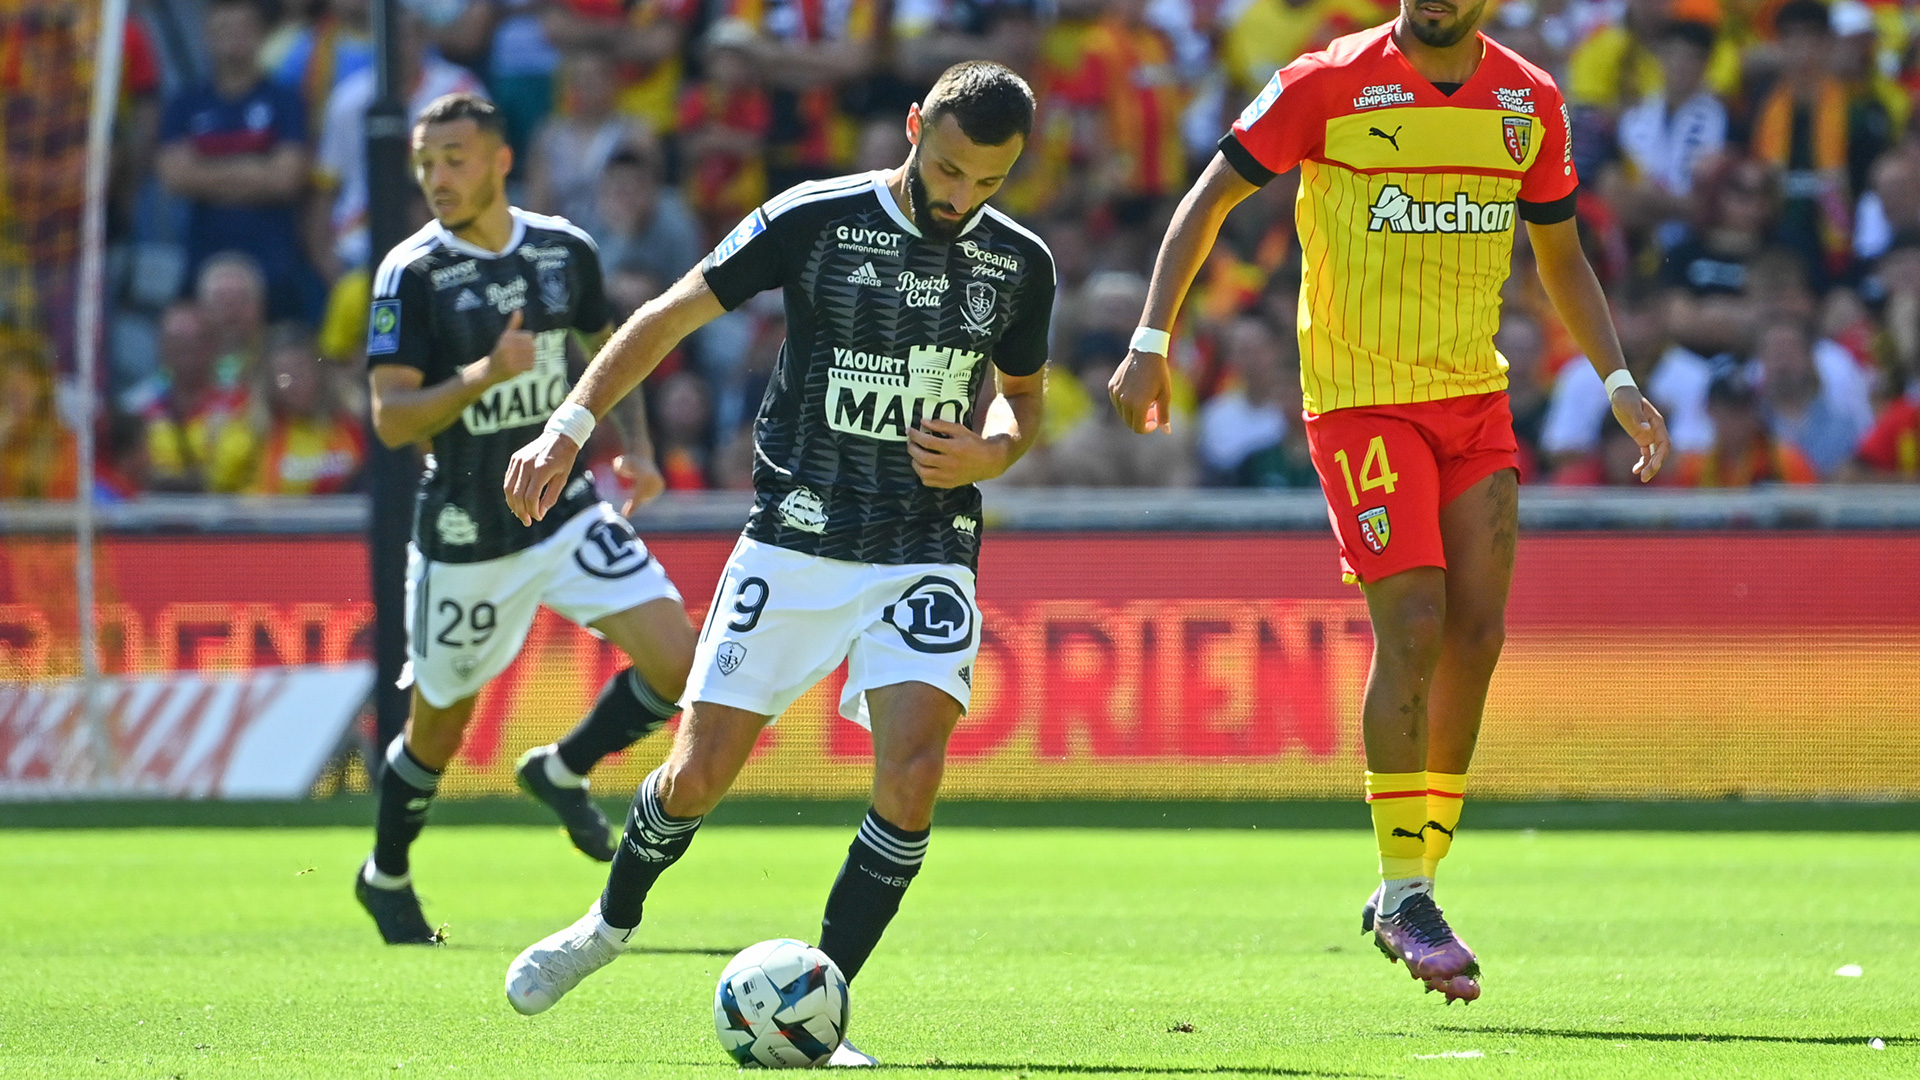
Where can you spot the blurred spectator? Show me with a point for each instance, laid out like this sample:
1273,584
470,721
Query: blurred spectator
312,58
1612,463
235,148
38,455
641,225
338,224
1672,376
1803,129
806,50
1743,453
232,297
1877,108
1891,207
1667,134
1266,35
572,149
200,433
933,35
724,121
1891,451
1737,202
1803,409
313,446
1521,341
1251,434
683,430
120,472
1619,62
1115,77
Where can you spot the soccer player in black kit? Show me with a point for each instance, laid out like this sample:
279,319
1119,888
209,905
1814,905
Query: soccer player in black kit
902,287
468,344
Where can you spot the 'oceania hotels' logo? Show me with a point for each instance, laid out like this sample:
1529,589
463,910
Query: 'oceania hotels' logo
1396,210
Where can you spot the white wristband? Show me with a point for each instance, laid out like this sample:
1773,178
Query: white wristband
1619,378
573,421
1148,340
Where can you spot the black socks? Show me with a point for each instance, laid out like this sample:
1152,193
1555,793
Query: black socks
880,865
627,711
406,787
653,842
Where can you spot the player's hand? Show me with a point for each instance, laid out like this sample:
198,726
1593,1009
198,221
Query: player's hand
1142,392
950,455
537,474
512,353
645,477
1647,427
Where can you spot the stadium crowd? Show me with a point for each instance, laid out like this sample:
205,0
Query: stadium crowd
1750,196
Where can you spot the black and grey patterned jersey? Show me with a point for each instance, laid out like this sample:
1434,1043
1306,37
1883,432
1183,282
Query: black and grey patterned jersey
440,303
884,328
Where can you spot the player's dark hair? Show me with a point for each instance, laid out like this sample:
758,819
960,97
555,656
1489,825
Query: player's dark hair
632,158
1731,389
990,101
1803,15
1697,34
452,107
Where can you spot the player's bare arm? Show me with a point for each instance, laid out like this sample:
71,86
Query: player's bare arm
539,469
636,463
405,412
950,455
1142,387
1577,296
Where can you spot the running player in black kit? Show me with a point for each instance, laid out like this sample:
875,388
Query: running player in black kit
467,346
902,288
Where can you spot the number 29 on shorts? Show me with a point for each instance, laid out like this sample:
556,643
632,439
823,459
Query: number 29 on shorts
1375,470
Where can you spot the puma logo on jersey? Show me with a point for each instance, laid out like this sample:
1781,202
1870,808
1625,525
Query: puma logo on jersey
866,275
1393,138
1396,210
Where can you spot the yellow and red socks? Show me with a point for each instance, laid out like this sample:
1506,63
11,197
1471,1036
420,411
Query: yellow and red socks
1398,803
1445,794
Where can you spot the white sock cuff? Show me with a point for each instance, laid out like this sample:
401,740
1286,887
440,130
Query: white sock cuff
557,772
371,874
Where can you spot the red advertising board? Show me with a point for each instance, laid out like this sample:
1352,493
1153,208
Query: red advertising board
1162,665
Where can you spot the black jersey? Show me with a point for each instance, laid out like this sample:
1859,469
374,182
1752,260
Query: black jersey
884,328
440,303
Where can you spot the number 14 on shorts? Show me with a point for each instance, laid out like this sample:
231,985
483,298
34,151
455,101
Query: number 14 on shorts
1376,473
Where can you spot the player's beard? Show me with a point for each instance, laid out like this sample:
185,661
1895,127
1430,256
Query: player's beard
471,207
1445,35
922,206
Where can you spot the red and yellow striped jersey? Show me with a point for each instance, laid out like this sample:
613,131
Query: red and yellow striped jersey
1408,201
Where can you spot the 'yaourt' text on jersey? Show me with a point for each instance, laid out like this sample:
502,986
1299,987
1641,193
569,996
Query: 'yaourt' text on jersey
439,304
885,328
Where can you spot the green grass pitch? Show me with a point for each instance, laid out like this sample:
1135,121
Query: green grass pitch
209,953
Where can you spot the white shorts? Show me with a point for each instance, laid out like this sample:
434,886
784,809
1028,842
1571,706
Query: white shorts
781,621
467,621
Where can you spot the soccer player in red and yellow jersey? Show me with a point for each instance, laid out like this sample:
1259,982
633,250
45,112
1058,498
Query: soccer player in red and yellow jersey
1421,145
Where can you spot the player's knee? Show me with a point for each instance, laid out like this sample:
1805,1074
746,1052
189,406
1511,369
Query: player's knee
912,780
1477,637
1413,630
692,788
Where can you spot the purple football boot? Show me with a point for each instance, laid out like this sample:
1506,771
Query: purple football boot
1418,935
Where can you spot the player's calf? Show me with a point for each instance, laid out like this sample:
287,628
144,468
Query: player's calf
881,863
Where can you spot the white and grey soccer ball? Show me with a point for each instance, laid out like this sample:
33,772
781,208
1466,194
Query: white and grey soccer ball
781,1004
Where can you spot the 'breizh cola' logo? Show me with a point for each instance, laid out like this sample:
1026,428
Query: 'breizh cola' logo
1397,210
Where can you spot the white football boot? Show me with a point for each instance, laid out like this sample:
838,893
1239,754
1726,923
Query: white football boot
849,1056
548,968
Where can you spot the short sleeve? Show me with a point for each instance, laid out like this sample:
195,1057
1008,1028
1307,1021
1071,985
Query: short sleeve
398,329
1279,128
593,312
1547,190
1022,350
748,262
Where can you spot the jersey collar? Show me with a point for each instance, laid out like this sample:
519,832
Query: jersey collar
1486,52
513,241
885,195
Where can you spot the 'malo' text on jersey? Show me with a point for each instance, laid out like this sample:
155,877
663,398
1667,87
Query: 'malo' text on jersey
886,330
441,303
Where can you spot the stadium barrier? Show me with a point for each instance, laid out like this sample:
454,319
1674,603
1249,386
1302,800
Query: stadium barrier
1198,647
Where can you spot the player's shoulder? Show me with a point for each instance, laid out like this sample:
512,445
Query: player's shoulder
544,227
1349,56
417,253
814,196
1513,69
1009,233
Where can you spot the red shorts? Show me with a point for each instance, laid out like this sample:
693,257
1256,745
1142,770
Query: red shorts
1387,470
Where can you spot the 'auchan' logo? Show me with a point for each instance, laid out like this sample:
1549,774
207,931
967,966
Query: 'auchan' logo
1396,210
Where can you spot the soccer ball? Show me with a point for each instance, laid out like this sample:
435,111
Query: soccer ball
781,1004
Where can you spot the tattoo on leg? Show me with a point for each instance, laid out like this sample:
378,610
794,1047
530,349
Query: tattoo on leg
1503,514
1412,706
